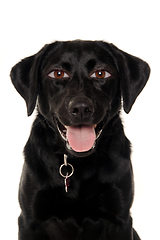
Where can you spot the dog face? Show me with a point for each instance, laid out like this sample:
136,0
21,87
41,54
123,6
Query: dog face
78,91
79,86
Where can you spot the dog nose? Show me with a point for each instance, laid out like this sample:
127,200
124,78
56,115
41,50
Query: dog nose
81,108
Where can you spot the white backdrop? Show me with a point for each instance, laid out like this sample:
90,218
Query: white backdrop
25,26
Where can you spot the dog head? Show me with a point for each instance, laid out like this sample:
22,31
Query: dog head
79,86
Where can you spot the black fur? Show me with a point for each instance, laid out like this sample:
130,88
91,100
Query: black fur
97,204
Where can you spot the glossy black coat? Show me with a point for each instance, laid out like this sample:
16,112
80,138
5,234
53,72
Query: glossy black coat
97,205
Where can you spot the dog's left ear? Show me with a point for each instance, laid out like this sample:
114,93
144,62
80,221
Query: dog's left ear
134,74
24,76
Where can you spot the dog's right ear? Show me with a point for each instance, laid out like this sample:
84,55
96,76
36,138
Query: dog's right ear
24,76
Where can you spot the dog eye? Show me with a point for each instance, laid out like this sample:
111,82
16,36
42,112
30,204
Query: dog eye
102,74
58,74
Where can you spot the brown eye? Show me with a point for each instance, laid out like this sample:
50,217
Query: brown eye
102,74
58,74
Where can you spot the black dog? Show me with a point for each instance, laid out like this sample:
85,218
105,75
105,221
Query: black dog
77,181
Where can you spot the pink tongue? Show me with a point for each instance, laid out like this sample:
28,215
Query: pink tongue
81,138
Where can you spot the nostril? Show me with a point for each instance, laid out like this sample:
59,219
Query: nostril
81,110
75,111
88,110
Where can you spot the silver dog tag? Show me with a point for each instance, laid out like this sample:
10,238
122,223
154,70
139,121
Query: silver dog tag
66,182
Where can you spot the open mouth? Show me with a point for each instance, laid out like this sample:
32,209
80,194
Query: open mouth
80,138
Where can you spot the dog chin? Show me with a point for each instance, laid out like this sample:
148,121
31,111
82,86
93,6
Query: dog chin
80,154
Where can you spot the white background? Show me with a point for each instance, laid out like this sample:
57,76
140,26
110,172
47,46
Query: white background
25,26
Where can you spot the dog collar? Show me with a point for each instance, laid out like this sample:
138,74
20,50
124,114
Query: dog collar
68,175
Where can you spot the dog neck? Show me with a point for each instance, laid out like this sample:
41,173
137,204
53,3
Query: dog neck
68,168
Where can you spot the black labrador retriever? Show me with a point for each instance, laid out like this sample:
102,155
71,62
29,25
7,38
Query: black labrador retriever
77,181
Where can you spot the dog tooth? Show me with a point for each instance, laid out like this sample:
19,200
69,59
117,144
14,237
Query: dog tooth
94,145
64,138
98,134
68,146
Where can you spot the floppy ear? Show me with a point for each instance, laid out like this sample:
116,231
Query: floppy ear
24,76
134,74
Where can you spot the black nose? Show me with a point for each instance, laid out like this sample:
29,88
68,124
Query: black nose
81,108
